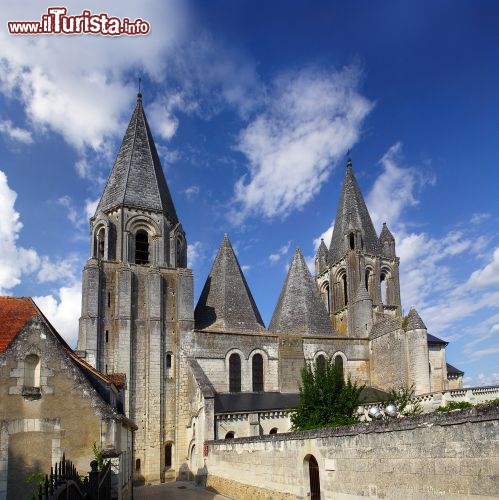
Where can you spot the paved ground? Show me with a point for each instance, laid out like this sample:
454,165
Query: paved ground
181,490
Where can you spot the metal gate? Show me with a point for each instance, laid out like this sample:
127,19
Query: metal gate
315,485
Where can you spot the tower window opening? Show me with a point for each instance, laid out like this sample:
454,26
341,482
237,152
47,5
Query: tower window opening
351,237
168,361
141,247
137,464
101,236
257,366
368,274
345,289
235,373
383,279
107,336
108,299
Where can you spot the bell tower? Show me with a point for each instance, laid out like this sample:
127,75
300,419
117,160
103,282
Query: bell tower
359,275
137,296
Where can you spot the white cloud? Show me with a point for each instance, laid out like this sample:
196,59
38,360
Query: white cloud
312,118
276,257
488,275
195,252
15,133
90,208
63,311
53,271
80,86
326,236
191,192
490,379
14,261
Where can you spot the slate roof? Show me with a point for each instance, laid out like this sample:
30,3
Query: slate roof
254,401
435,340
300,308
414,321
137,179
352,214
226,303
452,370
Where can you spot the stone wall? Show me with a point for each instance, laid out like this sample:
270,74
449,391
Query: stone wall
451,455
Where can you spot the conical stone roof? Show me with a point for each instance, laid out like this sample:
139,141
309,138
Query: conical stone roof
300,308
137,179
226,303
351,215
414,321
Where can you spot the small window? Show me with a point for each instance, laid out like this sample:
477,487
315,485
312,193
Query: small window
235,373
107,336
338,363
141,247
32,371
101,237
273,430
137,464
367,276
257,368
168,361
345,289
321,361
352,241
229,435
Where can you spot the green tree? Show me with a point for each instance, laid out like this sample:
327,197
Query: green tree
325,399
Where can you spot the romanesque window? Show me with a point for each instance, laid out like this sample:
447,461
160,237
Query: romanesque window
321,360
257,371
384,286
326,297
351,238
141,247
179,250
367,278
235,373
101,237
338,363
32,371
345,289
229,435
273,430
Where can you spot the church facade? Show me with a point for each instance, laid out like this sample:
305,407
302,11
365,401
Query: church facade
214,370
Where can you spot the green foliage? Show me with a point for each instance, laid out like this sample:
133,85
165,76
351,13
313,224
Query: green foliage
38,478
405,323
325,399
454,405
492,402
98,456
402,398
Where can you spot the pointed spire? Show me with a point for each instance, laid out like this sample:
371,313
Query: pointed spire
351,216
321,257
362,294
386,242
226,303
414,321
137,179
300,308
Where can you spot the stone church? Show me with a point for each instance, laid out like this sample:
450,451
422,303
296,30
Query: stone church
215,371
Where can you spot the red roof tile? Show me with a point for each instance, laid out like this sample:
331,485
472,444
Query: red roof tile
14,312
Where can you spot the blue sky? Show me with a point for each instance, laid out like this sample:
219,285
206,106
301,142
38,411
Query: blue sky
254,107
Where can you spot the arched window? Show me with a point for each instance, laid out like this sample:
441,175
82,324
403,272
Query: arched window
169,365
351,238
367,277
326,297
101,238
345,289
179,251
384,285
141,247
257,371
32,371
320,361
235,373
273,430
338,363
229,435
